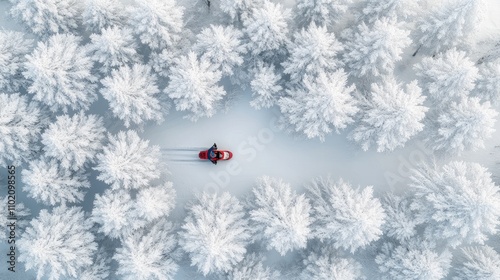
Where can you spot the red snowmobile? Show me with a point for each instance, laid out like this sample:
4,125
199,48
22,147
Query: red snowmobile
215,155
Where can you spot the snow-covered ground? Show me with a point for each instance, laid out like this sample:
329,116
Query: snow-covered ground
260,148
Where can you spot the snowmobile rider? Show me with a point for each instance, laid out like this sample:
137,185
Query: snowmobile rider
213,154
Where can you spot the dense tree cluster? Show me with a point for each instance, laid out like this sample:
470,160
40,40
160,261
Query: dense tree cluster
323,66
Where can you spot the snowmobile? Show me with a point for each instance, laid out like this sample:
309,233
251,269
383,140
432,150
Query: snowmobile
215,155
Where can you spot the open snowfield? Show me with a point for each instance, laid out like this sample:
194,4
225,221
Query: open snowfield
261,148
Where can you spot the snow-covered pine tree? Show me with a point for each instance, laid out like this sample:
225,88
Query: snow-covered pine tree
133,94
146,254
265,86
401,222
448,76
478,263
158,23
459,202
252,268
22,214
321,12
161,62
99,269
238,9
374,49
60,71
323,263
100,14
414,259
20,125
75,140
194,86
221,45
280,216
48,182
128,161
266,28
115,213
449,24
57,243
215,232
488,84
47,17
13,47
463,126
390,115
403,10
347,218
113,47
155,202
313,50
319,104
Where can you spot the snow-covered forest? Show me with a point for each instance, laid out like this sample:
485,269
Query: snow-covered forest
364,133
